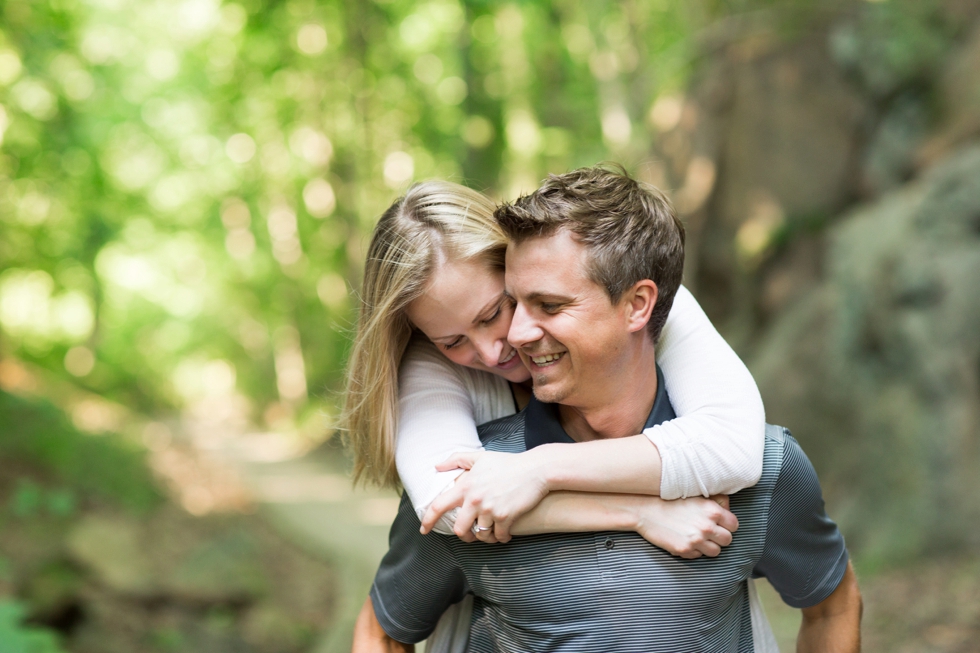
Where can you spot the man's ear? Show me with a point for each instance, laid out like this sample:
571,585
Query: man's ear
640,300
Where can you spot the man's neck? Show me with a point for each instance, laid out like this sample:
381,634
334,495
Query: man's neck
622,410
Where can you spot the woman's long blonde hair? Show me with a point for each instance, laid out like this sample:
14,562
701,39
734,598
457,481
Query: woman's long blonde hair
435,220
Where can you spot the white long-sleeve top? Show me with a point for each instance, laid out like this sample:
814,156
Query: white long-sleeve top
714,446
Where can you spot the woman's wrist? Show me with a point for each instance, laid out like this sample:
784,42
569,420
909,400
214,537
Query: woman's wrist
628,515
547,466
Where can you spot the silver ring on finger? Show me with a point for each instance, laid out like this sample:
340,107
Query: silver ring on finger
481,529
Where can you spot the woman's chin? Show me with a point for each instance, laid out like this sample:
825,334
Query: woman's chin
519,374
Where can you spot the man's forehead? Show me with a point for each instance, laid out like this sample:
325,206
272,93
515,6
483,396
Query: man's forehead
543,264
560,244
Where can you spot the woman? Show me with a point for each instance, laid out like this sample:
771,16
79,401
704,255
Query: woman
430,361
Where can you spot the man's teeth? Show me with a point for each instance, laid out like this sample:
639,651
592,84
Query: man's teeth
513,352
541,361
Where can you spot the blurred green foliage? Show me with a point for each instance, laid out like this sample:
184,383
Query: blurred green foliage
15,637
99,467
186,187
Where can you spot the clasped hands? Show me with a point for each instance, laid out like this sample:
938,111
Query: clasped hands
496,489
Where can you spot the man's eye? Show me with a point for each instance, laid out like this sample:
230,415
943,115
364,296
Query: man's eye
550,308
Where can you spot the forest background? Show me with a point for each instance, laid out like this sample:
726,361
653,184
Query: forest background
187,189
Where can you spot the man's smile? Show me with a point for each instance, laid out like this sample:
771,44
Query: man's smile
546,360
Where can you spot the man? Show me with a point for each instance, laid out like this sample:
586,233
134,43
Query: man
593,265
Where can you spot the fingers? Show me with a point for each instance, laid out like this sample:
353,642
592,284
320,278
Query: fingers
720,536
458,461
465,519
501,530
451,498
709,549
724,518
689,553
728,521
485,530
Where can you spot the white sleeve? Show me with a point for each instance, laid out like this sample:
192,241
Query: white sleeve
715,445
435,420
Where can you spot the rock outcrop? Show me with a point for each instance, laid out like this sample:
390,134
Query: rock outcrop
877,370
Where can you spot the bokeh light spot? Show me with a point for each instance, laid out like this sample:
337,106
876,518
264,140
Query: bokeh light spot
319,198
523,134
79,361
666,112
240,148
331,289
235,213
240,243
452,90
428,68
10,66
35,99
616,126
311,39
399,168
162,64
311,145
477,131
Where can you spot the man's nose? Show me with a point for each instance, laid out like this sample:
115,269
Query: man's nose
523,329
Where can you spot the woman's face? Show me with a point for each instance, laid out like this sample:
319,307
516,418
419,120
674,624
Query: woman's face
465,312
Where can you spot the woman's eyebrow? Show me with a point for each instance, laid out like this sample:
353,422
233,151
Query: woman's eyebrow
493,303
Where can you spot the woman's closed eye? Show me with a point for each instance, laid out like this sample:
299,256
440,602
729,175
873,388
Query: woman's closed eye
492,318
454,343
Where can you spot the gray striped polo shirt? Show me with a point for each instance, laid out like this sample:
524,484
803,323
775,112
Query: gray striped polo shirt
612,591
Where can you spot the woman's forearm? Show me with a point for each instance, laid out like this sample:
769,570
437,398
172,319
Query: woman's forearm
687,527
578,512
506,486
623,465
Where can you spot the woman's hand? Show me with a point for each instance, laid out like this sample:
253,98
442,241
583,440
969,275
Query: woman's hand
688,528
496,489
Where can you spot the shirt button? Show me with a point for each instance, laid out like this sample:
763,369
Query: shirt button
610,544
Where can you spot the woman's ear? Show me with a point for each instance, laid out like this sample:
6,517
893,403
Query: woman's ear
640,299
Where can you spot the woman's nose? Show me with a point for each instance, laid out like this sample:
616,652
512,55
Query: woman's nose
489,350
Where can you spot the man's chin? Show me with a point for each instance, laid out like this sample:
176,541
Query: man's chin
549,393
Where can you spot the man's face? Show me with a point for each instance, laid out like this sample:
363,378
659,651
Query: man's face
567,332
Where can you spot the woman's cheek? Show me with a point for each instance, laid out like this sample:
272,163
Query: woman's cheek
461,355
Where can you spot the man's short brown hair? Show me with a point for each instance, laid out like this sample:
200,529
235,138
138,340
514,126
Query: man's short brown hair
629,228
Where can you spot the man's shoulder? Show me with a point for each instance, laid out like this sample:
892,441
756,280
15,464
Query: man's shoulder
793,470
776,438
504,434
783,454
784,459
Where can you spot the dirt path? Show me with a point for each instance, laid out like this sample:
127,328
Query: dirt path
311,501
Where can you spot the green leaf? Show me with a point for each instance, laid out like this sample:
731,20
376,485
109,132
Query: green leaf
15,637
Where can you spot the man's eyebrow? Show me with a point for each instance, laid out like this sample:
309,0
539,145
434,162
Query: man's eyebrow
539,294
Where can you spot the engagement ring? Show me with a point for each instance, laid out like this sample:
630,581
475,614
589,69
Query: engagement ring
479,529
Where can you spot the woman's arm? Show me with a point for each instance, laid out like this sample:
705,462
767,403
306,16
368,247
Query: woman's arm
435,420
688,528
714,446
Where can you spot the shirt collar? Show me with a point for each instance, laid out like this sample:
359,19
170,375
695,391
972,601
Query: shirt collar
543,426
